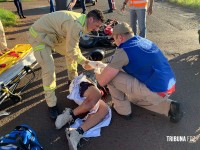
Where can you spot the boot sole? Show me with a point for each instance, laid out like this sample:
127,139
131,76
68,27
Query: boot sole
178,117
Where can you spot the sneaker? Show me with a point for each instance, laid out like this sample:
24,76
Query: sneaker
126,117
53,111
64,118
73,138
175,113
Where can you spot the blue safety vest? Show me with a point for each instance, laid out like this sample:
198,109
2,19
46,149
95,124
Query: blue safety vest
148,64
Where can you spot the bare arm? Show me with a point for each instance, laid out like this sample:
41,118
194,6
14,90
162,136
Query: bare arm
150,8
124,5
72,4
106,75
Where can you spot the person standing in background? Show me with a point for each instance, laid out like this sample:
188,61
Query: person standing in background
18,5
73,3
111,4
3,43
83,6
138,10
52,6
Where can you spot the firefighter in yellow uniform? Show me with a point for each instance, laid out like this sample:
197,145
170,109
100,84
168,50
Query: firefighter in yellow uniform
60,32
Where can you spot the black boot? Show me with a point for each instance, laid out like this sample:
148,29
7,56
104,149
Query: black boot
175,112
110,11
126,117
53,112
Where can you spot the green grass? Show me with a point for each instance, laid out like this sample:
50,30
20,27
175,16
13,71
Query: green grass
7,17
190,3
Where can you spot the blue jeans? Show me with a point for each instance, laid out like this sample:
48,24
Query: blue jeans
18,5
138,17
110,4
52,6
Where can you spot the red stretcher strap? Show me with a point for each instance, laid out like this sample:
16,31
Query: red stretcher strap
2,65
13,53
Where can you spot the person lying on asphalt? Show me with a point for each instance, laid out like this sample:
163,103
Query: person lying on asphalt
88,97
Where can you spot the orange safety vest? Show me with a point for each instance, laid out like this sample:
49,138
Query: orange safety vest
138,3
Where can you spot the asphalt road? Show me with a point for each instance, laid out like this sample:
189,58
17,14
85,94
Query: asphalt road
174,30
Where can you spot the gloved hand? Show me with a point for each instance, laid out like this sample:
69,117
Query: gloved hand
98,70
90,65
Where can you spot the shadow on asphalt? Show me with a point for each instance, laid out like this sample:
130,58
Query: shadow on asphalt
37,11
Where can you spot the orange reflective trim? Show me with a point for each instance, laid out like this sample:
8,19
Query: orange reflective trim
138,5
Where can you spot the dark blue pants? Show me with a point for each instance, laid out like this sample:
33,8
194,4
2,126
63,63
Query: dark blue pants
83,6
110,4
18,5
52,8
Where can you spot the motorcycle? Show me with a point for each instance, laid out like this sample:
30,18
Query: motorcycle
103,37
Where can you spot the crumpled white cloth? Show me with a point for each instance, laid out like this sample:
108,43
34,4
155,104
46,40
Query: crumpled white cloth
98,66
75,95
74,89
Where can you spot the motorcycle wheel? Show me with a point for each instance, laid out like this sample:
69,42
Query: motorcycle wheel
87,42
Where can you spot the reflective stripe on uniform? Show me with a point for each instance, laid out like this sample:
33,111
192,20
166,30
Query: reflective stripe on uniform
82,19
138,3
51,87
33,32
72,66
80,59
39,47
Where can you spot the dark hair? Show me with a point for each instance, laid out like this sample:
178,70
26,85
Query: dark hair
96,15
